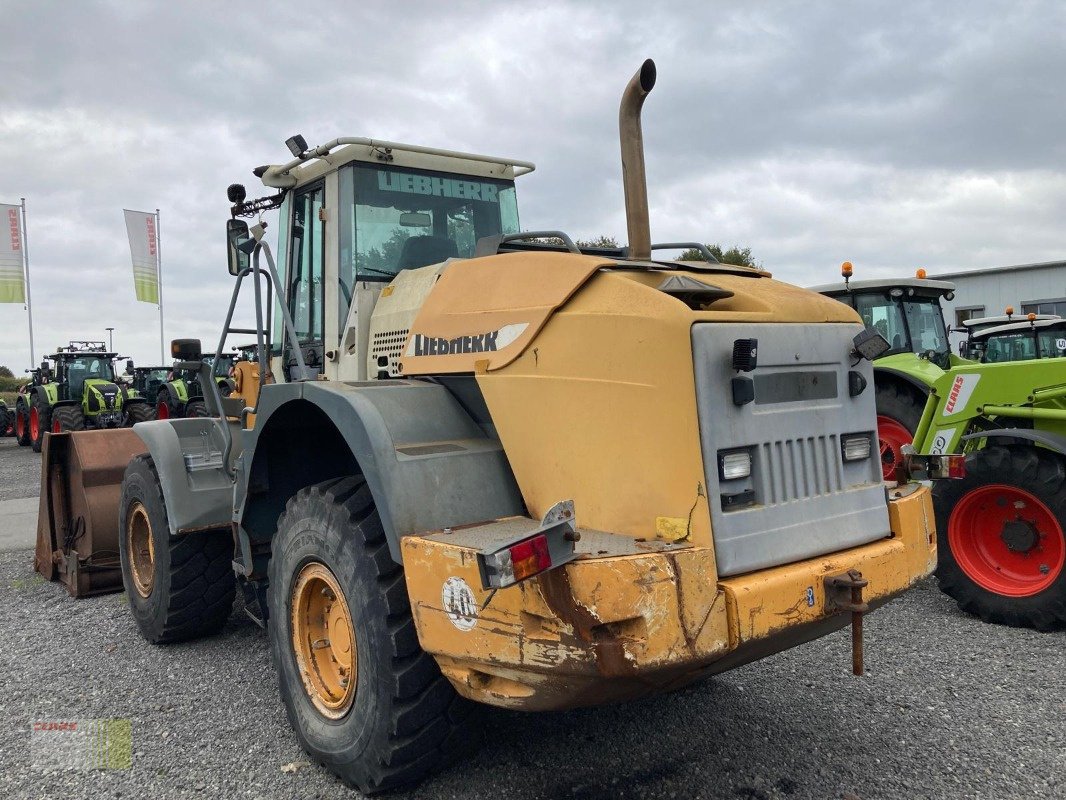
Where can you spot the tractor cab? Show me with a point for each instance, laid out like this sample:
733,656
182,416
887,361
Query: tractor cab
905,311
974,329
392,209
1020,341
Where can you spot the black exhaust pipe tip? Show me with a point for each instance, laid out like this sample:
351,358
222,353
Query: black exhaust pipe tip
647,75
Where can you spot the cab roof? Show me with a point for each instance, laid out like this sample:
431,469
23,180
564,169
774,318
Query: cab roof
931,286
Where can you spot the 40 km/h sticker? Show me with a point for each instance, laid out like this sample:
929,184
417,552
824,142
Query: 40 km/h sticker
459,603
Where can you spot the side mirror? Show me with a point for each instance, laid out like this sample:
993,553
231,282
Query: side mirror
185,349
237,235
129,366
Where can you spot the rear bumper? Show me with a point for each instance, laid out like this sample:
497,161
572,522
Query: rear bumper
629,619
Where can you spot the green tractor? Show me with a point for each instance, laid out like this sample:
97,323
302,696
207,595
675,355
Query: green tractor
147,381
1002,550
183,396
907,313
1019,341
78,390
975,328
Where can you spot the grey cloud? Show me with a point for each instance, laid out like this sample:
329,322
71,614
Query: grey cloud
894,135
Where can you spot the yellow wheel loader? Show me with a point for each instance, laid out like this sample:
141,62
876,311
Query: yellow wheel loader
471,463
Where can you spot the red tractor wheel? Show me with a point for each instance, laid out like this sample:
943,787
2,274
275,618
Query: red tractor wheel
1006,540
1001,546
891,435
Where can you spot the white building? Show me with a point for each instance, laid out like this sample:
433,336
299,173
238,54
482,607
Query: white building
1040,288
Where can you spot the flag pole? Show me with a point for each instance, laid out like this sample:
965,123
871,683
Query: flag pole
159,281
26,275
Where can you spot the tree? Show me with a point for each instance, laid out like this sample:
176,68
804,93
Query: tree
5,372
740,256
599,241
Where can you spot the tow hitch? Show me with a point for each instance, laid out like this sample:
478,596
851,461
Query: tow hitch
844,593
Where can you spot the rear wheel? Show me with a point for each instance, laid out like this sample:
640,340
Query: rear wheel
899,410
1002,550
40,422
163,407
179,587
22,424
68,418
363,697
196,408
138,411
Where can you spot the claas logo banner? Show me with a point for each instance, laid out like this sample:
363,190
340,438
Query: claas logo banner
142,230
12,282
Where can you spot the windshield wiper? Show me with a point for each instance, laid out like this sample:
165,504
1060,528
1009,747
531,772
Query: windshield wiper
379,271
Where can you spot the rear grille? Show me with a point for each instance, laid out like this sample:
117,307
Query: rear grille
794,469
390,345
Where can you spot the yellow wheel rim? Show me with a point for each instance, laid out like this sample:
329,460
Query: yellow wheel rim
323,640
140,549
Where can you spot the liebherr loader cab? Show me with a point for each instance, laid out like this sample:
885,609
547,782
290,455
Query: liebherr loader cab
361,217
484,464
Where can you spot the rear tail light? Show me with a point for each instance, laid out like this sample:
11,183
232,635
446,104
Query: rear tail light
549,546
520,561
915,467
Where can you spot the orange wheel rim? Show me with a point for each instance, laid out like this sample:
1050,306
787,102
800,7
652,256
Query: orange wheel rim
323,640
140,549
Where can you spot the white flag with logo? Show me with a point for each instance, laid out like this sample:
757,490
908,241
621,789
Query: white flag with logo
12,283
144,249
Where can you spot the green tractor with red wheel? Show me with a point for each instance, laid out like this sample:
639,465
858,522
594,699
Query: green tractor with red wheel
908,314
183,396
1002,549
78,390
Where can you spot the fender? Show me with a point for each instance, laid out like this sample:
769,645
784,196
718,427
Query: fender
47,393
904,376
428,464
1052,441
198,493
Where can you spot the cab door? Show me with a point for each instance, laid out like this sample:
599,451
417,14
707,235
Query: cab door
305,289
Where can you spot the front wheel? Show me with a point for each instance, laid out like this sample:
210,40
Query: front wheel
899,410
22,424
363,697
196,408
138,411
1002,551
68,418
40,422
179,587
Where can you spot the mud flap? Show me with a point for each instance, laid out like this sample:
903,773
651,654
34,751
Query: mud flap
77,525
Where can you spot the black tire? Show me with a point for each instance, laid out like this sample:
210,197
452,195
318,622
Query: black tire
901,402
1034,470
192,586
44,422
138,411
196,408
22,423
162,402
69,418
405,719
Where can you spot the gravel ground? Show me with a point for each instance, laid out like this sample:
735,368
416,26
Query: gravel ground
20,470
950,708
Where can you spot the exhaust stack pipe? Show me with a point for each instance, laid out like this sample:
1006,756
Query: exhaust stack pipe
633,178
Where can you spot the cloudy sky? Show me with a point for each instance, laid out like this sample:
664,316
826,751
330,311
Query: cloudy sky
893,135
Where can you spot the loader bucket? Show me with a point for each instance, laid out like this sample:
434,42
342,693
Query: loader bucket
77,526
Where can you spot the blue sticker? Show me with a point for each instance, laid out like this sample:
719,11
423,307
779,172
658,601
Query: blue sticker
810,596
